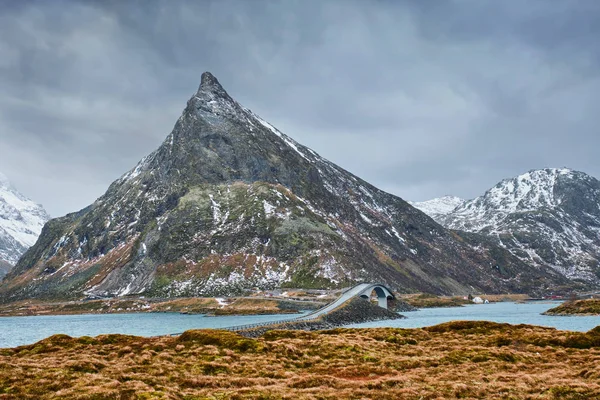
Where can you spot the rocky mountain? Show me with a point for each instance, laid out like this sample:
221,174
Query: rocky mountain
438,207
228,203
547,218
21,222
4,268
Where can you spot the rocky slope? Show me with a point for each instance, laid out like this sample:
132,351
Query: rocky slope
228,203
21,222
4,268
547,218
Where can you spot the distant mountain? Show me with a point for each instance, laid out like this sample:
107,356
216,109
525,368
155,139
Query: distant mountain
547,218
438,207
228,203
21,222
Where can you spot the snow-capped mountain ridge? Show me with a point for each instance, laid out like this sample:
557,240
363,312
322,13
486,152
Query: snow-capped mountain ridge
21,222
548,217
438,206
532,191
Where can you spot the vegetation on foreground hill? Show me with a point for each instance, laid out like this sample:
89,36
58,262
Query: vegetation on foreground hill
453,360
577,307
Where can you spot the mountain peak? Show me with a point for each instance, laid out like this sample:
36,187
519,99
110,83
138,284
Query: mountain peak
212,98
21,221
228,203
547,216
208,79
210,84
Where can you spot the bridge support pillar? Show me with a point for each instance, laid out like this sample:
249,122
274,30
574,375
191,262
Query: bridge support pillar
383,301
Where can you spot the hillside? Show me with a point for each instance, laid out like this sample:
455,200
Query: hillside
229,203
4,268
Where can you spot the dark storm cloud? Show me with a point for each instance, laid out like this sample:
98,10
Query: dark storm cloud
422,98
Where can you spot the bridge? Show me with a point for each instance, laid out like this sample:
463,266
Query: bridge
363,290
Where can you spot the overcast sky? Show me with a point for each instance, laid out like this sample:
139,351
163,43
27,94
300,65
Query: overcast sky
421,98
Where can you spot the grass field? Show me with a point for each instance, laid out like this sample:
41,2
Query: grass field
454,360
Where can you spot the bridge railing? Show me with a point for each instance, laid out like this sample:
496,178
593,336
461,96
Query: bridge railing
238,328
256,325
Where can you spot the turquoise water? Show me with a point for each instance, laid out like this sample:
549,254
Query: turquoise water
16,331
512,313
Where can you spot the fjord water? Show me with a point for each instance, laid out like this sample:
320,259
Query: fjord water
16,331
512,313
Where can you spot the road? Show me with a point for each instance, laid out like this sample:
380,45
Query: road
340,300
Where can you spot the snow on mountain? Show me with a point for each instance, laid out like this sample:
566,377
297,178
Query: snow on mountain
438,207
21,222
229,203
548,217
527,192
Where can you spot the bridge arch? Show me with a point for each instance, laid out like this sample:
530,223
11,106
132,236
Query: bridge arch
362,290
383,294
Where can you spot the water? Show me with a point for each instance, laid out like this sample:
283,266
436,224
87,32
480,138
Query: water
512,313
16,331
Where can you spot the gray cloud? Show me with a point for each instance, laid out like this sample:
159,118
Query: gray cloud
420,98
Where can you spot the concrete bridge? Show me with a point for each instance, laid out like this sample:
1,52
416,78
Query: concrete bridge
363,290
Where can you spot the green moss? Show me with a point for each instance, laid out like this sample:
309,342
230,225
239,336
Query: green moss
306,277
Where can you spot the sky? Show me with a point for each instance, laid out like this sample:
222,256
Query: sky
420,98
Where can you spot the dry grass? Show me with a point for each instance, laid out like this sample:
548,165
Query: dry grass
577,307
425,300
504,297
455,360
246,306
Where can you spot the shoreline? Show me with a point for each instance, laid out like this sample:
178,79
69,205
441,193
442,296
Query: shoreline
573,308
235,306
219,306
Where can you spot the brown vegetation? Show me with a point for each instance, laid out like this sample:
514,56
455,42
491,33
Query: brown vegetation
454,360
194,305
425,300
247,306
577,307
